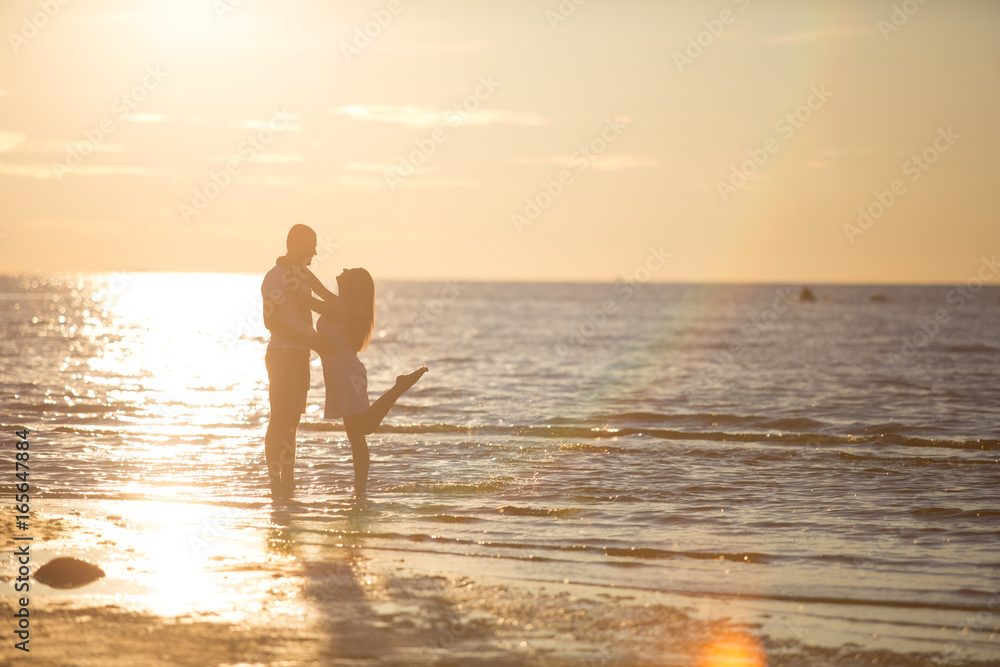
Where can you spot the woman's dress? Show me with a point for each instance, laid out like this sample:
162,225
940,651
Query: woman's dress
345,376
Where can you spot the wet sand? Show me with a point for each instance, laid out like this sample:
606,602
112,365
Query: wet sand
199,585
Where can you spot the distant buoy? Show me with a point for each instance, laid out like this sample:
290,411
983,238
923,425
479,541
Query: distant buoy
68,573
807,295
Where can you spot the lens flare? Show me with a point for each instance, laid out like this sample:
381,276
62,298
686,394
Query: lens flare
733,650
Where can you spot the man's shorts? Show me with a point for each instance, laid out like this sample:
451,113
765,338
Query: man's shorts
288,380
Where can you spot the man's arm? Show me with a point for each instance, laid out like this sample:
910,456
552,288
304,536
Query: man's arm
328,308
279,327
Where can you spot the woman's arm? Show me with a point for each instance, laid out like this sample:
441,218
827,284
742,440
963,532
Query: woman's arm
329,308
317,286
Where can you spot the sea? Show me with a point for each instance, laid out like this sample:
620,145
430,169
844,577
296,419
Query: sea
833,462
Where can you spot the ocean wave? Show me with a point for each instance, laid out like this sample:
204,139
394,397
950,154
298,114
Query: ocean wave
510,510
939,513
635,552
449,518
65,408
803,424
449,488
597,432
971,349
582,436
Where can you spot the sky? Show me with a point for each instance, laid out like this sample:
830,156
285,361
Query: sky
583,140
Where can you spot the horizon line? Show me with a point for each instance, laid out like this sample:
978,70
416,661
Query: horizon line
566,281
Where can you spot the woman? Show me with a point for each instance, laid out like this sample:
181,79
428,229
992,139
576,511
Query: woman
347,321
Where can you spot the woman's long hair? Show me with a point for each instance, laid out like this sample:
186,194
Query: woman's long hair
357,296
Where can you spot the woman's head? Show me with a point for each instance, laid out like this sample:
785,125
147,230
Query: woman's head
357,295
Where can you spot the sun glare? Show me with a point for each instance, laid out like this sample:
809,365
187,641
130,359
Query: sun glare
177,550
183,334
733,650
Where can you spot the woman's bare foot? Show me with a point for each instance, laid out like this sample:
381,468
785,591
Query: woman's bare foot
404,382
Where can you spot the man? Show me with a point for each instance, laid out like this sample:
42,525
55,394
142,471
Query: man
287,316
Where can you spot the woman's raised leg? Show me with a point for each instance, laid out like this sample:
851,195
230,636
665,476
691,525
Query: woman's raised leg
370,420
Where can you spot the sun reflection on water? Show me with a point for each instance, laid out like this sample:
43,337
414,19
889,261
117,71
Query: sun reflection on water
184,559
189,340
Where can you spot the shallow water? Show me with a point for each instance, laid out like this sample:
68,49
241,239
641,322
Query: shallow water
719,443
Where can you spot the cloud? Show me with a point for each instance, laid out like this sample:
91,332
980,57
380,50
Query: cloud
51,146
416,116
279,157
413,182
48,172
432,48
379,167
442,182
77,225
37,171
262,156
272,181
821,34
614,162
146,117
816,164
10,140
623,161
172,18
286,120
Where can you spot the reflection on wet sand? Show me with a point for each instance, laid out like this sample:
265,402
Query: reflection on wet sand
194,584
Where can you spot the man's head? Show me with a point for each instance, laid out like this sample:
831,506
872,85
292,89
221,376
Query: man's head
301,244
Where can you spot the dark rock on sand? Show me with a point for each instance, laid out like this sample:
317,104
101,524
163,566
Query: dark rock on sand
68,573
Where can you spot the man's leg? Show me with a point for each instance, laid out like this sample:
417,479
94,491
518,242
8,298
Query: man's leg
279,449
288,375
286,461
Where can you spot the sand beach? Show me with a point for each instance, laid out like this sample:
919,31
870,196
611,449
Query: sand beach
212,589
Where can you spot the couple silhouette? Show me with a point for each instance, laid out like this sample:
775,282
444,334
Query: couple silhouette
342,331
